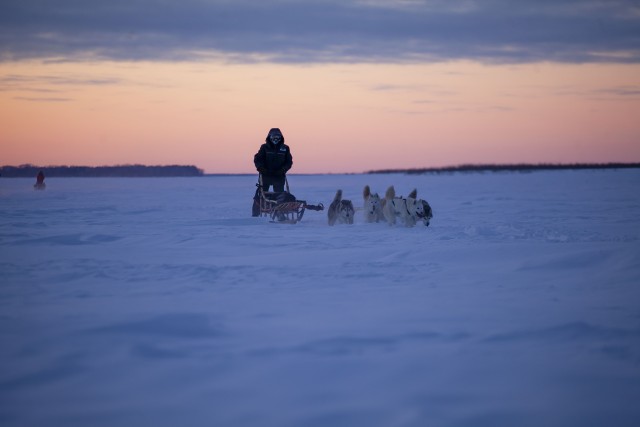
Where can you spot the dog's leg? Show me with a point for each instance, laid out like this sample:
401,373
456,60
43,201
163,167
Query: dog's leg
389,213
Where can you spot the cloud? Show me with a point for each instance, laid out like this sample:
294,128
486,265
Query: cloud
322,31
16,79
50,85
622,91
41,99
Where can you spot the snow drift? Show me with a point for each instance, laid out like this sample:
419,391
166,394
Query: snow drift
161,302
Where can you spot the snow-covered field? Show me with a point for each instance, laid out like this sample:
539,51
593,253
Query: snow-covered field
161,302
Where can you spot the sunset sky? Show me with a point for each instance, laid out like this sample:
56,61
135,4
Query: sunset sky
354,85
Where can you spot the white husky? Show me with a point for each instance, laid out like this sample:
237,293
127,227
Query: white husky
393,206
372,206
415,209
408,209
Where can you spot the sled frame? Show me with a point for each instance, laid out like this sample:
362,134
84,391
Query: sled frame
282,213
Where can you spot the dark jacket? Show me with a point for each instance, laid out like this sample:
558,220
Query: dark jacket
273,160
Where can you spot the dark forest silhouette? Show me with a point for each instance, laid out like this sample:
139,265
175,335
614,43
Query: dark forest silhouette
133,171
519,167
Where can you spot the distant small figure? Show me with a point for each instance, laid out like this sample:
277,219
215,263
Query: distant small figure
39,185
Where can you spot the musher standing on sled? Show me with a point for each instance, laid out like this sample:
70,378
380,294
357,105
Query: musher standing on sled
272,161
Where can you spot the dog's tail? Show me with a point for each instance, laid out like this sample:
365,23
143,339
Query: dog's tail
413,194
390,194
338,196
366,193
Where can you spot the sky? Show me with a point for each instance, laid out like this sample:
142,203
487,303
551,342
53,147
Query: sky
354,85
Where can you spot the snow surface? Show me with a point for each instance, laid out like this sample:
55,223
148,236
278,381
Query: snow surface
161,302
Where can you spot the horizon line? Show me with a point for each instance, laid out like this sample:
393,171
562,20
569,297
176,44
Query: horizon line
469,167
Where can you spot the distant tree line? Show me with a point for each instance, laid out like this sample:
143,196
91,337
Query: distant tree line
509,168
133,171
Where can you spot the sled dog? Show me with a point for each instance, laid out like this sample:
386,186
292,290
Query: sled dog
415,209
427,212
340,211
393,206
407,209
372,206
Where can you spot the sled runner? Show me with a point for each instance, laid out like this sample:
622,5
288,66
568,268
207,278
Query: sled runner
281,207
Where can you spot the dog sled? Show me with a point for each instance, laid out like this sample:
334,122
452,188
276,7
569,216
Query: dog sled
281,207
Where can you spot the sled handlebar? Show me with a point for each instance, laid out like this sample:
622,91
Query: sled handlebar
286,182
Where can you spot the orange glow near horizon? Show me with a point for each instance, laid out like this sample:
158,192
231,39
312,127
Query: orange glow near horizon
336,118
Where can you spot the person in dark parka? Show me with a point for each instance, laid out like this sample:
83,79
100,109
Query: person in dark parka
273,160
